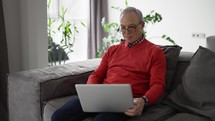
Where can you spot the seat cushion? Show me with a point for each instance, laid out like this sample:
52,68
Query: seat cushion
196,92
156,113
52,105
187,117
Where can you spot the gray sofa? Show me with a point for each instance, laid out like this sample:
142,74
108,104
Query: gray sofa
35,94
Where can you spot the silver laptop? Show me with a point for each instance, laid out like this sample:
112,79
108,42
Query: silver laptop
105,97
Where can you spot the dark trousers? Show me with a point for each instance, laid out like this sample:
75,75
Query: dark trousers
72,111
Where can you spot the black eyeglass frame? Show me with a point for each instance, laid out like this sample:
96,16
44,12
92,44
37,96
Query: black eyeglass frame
130,28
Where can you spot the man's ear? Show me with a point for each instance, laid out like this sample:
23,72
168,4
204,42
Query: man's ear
143,24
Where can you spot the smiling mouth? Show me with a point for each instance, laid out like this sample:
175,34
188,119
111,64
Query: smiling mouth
129,37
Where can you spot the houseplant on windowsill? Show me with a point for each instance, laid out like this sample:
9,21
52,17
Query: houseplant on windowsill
58,52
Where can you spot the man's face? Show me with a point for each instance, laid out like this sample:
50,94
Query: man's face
131,26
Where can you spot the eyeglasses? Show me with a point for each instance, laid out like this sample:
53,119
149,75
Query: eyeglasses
130,28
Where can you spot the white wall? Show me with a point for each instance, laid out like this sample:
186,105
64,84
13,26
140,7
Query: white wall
26,32
181,18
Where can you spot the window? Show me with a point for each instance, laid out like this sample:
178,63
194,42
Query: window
74,12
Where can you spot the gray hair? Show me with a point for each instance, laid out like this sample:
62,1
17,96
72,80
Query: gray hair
136,11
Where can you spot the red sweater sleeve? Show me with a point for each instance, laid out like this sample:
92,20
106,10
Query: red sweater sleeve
97,77
157,77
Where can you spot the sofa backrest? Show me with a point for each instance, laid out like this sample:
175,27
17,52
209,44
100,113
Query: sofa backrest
64,85
183,61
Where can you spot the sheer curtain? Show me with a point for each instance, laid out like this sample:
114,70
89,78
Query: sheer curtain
3,68
98,10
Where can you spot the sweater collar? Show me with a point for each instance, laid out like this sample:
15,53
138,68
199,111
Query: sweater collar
130,45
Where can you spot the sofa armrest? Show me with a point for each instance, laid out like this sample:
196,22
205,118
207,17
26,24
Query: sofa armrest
27,90
185,56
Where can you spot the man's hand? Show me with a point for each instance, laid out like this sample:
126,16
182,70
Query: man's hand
137,109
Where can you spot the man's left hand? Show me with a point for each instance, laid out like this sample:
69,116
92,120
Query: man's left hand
137,109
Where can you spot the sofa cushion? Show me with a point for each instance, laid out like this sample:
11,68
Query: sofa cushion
171,52
182,64
155,113
196,92
52,105
187,117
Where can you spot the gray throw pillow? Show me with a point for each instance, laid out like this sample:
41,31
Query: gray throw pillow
196,92
171,53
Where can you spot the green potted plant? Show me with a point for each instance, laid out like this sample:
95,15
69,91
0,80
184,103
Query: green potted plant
58,52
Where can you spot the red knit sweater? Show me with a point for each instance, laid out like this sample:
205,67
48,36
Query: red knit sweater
142,66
